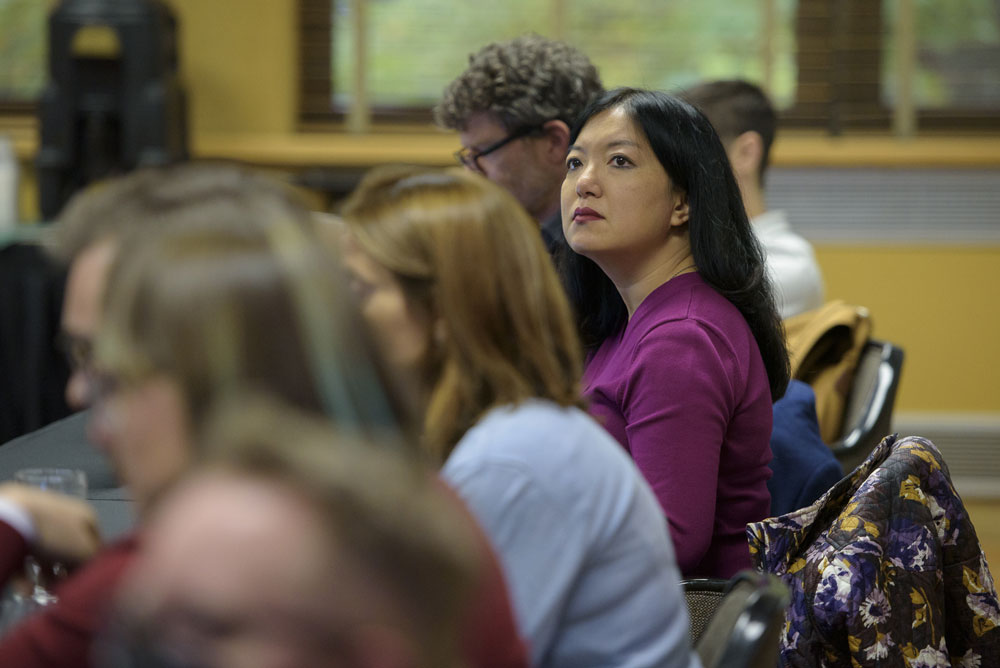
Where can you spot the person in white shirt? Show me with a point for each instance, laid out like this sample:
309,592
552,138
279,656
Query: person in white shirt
746,122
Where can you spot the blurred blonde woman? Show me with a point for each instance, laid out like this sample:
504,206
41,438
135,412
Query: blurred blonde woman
458,290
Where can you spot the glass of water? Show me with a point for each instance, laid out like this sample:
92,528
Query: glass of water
18,604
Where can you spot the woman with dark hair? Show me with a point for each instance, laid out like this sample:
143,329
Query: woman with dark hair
685,347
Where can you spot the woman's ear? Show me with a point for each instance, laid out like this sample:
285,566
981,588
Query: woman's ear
679,214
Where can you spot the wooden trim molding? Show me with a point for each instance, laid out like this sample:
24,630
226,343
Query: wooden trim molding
427,145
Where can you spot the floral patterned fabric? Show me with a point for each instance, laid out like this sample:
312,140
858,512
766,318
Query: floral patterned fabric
885,569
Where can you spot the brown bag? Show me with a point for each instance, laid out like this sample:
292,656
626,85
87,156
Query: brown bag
824,346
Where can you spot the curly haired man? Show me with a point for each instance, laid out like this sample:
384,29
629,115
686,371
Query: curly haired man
513,107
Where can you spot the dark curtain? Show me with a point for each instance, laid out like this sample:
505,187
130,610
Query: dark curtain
33,372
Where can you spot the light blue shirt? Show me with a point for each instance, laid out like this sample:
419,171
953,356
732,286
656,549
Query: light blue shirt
582,539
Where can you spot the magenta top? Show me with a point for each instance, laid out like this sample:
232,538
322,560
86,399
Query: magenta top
683,388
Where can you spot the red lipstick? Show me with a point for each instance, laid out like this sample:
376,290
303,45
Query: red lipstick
585,214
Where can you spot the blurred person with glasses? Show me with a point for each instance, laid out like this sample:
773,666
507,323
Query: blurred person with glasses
85,240
100,228
513,107
142,419
37,523
469,157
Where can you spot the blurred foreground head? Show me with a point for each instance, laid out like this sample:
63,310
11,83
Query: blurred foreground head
229,290
298,546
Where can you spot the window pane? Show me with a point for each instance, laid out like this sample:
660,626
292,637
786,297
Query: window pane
22,48
417,46
958,54
665,45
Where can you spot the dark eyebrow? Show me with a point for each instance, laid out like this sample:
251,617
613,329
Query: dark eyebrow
613,144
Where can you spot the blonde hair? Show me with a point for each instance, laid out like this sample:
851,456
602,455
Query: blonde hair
232,290
467,254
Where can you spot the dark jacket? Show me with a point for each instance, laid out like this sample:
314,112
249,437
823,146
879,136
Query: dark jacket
802,465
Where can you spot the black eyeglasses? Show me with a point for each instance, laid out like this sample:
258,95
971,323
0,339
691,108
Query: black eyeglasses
470,157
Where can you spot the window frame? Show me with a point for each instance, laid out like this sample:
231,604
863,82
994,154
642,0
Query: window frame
316,73
15,107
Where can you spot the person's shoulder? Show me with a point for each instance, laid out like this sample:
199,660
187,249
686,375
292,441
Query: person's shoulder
539,437
110,563
707,319
667,302
723,323
777,235
773,222
687,301
709,306
713,339
90,589
514,427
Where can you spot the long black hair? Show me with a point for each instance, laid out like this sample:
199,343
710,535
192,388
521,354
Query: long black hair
723,244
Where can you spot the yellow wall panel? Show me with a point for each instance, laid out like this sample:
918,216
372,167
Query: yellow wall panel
238,63
940,303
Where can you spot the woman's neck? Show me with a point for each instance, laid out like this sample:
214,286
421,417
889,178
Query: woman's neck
636,278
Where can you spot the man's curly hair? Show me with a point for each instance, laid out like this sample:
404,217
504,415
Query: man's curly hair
524,82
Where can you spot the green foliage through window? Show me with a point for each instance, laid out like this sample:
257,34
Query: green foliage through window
22,48
958,54
415,47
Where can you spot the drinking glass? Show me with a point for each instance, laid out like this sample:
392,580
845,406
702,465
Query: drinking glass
19,603
64,481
